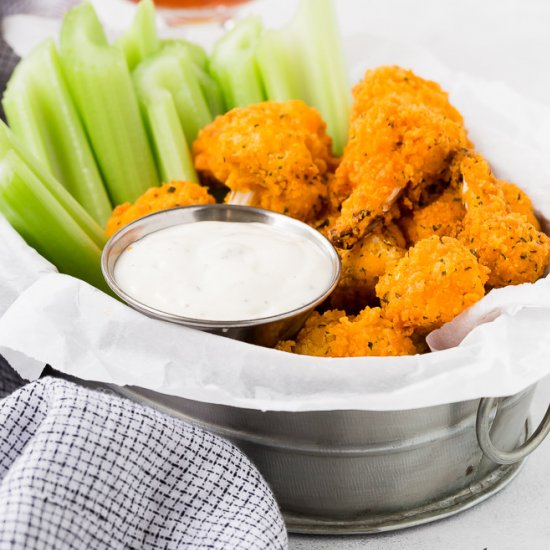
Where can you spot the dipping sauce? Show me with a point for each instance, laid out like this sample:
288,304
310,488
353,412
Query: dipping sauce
224,271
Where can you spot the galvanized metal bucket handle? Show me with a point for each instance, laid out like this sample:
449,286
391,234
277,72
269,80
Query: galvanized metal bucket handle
483,427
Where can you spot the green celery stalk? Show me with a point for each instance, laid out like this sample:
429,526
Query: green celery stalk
172,152
211,91
8,142
174,106
306,61
197,52
40,111
323,60
101,86
173,70
233,64
209,86
276,55
37,216
141,39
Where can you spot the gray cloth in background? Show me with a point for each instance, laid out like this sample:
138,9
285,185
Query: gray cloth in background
9,379
46,8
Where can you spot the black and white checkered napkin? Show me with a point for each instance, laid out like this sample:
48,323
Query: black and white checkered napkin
81,469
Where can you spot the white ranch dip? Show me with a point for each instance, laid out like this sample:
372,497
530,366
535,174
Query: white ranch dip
224,271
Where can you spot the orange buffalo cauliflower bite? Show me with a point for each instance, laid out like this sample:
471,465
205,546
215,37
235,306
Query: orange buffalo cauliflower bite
271,155
392,147
443,217
334,334
363,265
513,250
437,279
519,202
502,238
155,199
387,80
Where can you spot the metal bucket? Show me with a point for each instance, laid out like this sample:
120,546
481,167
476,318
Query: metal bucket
339,472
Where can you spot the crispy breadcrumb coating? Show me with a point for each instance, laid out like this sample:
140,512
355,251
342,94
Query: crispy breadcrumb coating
324,222
155,199
334,334
479,187
442,217
277,155
392,146
363,265
511,247
519,202
386,80
437,279
503,240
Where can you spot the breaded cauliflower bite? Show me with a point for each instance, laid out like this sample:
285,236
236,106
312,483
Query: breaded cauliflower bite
334,334
437,279
519,202
363,265
271,155
402,84
502,238
155,199
442,217
387,80
392,147
513,250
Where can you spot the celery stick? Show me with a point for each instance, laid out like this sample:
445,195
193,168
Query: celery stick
154,81
209,86
101,86
233,64
142,39
8,142
174,107
324,66
306,61
197,52
188,83
44,224
173,156
211,91
173,69
40,111
276,55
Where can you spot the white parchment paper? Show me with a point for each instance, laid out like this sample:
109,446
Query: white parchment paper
498,347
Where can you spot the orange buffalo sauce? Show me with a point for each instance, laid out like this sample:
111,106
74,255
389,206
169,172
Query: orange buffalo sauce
195,4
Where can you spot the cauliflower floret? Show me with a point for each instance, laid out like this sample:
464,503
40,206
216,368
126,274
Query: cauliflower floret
442,217
155,199
388,80
504,240
519,202
437,279
274,155
363,265
333,334
392,147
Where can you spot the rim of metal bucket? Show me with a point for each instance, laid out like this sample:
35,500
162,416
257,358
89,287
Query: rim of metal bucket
483,431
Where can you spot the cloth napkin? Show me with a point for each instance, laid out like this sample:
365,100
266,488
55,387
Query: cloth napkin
81,468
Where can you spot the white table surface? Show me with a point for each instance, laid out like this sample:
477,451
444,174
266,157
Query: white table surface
506,40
